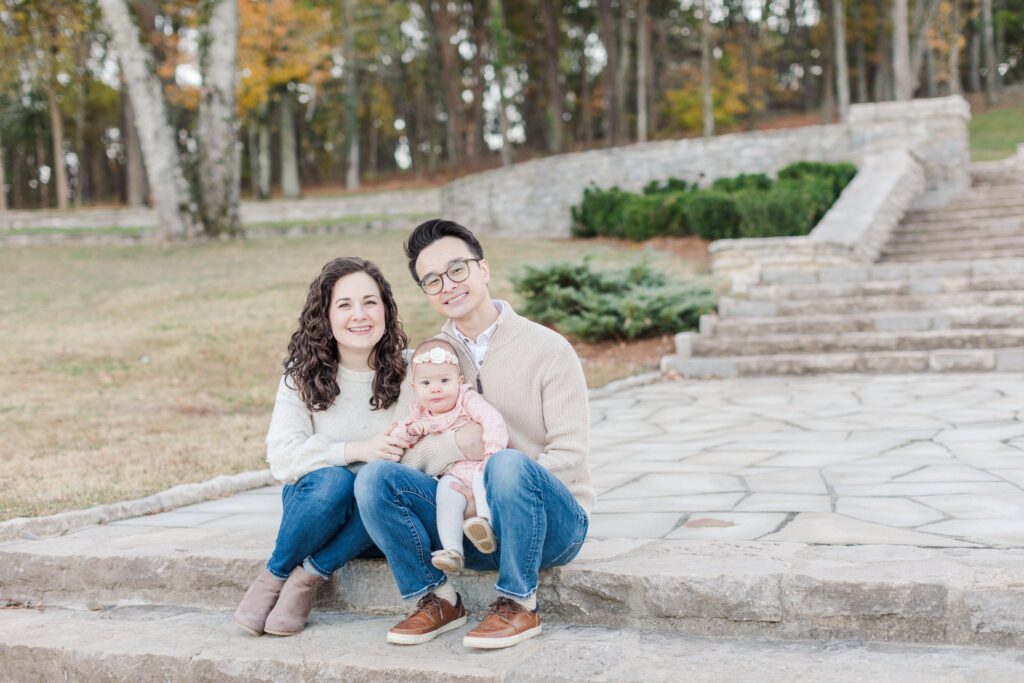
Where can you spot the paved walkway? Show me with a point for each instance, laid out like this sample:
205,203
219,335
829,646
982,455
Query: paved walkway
923,460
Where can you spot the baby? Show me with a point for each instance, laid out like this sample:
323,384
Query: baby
444,402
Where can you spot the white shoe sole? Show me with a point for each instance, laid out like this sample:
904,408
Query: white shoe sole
498,643
409,639
481,536
447,566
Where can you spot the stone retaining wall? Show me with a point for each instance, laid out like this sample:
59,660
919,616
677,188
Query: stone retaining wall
535,197
853,231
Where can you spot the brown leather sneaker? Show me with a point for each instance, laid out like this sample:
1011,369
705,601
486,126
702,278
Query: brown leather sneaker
507,623
433,616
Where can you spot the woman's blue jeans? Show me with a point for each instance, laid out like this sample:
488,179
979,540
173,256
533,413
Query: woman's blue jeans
320,523
536,520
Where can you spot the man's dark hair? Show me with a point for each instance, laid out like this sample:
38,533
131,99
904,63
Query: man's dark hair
428,232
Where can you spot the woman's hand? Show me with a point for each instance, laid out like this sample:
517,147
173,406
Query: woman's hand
379,447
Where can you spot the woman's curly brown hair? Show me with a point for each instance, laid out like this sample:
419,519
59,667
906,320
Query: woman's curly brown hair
312,362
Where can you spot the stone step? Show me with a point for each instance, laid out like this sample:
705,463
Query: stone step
957,247
779,590
896,271
954,318
853,342
976,254
879,362
981,213
937,285
995,227
732,307
179,644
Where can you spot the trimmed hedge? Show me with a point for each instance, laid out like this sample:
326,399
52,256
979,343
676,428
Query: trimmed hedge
610,305
748,205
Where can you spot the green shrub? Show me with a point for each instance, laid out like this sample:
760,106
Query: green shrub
838,174
596,306
672,185
599,212
712,215
744,181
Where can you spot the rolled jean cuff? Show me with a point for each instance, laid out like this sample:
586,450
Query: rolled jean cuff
310,566
423,591
276,575
513,594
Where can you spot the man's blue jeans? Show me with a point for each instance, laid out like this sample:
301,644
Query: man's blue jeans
536,520
320,522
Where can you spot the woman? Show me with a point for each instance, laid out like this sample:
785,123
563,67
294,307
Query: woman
335,402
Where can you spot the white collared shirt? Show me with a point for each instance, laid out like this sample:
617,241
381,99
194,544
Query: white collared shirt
478,347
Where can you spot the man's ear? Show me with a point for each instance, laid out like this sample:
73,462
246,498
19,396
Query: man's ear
485,268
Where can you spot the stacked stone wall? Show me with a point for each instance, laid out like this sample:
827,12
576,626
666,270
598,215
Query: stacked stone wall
535,197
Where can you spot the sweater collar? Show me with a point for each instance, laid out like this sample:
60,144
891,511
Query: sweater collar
507,326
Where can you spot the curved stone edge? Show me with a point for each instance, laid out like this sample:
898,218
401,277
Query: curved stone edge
174,497
630,382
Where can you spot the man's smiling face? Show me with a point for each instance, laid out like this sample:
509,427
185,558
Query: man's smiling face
456,300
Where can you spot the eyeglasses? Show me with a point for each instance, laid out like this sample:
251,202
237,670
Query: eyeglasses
458,271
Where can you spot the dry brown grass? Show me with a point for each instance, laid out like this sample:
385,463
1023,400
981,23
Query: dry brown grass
126,370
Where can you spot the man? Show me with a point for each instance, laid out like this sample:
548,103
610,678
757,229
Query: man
538,490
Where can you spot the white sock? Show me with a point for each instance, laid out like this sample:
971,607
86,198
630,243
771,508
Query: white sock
446,591
529,604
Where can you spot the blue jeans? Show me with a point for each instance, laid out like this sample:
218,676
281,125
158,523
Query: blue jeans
536,520
320,523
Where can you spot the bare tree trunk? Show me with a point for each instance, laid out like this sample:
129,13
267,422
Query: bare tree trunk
643,38
606,22
550,10
904,79
3,179
60,168
974,62
266,162
219,157
160,151
883,74
253,145
842,68
351,98
290,186
860,57
587,114
930,86
954,48
622,75
81,170
499,61
44,188
747,37
135,169
705,71
451,79
475,125
988,49
924,14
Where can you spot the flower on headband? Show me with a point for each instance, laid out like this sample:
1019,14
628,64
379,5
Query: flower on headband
436,355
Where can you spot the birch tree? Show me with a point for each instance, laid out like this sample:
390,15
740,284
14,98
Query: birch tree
705,70
175,218
219,154
904,79
842,67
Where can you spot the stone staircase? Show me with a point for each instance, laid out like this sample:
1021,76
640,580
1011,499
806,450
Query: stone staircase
948,295
130,601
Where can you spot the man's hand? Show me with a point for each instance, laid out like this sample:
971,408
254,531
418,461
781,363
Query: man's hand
467,493
470,440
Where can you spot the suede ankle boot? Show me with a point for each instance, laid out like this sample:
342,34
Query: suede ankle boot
292,609
259,600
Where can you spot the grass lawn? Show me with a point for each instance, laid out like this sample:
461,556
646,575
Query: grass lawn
996,133
128,369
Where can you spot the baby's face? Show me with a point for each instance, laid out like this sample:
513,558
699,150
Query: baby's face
437,386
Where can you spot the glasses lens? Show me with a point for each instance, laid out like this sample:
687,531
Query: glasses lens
431,285
459,271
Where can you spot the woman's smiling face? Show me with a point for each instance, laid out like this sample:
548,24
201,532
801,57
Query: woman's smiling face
357,316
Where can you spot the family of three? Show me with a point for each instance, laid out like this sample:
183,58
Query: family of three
495,405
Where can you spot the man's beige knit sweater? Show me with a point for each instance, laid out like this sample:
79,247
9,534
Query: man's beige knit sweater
533,377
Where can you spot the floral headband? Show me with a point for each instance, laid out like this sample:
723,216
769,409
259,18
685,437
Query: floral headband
436,355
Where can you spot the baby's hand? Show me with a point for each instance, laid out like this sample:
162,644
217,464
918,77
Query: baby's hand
418,428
